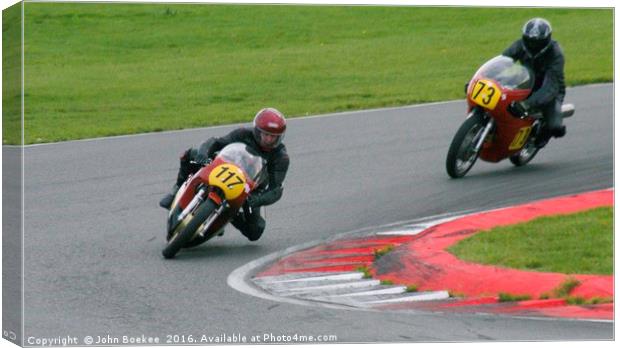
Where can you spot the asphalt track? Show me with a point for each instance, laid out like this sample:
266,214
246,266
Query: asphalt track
94,232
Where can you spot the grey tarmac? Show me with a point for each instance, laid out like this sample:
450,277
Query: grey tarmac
94,231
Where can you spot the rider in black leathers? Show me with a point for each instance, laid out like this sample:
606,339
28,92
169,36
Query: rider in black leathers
266,139
544,56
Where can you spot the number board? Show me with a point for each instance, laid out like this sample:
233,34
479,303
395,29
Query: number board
229,178
520,138
486,94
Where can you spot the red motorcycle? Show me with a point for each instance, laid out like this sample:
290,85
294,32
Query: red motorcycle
212,196
490,131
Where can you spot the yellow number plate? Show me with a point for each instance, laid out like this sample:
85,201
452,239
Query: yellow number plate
229,178
520,138
486,94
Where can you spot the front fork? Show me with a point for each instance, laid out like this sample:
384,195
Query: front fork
205,225
198,198
195,202
484,134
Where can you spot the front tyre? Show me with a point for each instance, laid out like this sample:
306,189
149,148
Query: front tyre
461,155
186,232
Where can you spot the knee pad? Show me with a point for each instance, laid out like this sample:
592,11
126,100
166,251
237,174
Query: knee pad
255,231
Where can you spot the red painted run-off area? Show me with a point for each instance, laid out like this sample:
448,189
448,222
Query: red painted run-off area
431,267
423,261
338,256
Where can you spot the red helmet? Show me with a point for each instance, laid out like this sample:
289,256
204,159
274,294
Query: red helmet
269,128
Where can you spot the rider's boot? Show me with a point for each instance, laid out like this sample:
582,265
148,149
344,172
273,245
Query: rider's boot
542,138
166,202
560,132
546,135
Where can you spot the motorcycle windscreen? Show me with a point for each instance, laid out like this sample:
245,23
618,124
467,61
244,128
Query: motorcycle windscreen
507,73
252,164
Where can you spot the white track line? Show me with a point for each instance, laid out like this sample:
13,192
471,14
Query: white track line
293,119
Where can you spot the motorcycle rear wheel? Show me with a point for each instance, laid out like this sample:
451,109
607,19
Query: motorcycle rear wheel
187,231
529,150
461,155
526,154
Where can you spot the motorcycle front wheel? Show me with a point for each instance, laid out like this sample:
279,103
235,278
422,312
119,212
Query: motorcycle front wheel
187,230
461,155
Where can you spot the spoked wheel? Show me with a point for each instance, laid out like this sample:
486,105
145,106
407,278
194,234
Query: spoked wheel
461,155
527,153
186,230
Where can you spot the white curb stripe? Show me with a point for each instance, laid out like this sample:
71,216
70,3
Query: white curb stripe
240,279
422,296
331,287
411,232
279,280
419,228
388,291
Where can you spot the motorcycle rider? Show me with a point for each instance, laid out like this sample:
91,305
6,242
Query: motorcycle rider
265,137
544,56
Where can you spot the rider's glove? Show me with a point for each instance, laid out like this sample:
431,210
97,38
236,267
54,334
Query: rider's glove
201,159
202,154
253,200
519,109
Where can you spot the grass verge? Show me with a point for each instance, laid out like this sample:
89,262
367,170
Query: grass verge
366,271
506,297
579,243
101,69
576,300
378,253
411,288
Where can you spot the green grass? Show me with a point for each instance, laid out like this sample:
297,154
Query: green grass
366,271
563,290
566,287
97,69
506,297
577,300
11,74
411,288
378,253
579,243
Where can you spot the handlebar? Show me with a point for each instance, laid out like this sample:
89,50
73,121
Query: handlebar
209,160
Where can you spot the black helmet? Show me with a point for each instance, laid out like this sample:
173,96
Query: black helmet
536,36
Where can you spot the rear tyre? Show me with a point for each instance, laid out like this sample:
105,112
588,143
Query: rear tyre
186,231
461,155
526,154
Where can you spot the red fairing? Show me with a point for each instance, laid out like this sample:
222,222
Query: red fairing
507,126
202,176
